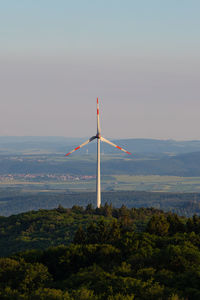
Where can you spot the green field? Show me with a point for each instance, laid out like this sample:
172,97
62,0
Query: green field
156,183
148,183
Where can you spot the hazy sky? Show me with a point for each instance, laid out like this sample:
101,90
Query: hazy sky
142,58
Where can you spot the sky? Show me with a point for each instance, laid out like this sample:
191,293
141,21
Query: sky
140,57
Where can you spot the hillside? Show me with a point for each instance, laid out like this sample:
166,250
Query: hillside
54,145
45,228
114,254
185,165
14,201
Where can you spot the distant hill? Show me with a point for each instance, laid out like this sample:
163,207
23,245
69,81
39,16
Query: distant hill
63,144
21,144
186,164
178,165
159,146
181,203
149,156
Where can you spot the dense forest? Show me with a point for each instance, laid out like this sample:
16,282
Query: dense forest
44,228
14,201
112,253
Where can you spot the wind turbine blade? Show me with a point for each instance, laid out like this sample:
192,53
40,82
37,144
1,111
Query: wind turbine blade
82,145
112,144
98,123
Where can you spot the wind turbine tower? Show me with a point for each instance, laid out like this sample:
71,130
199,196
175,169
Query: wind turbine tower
99,139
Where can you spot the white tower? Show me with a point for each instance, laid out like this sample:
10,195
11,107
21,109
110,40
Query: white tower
98,188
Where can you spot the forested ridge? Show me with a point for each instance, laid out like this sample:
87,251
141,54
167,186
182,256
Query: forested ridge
111,253
16,201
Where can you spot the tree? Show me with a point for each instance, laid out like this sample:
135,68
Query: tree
124,217
89,209
84,294
114,232
34,276
107,210
121,297
77,209
158,225
49,294
10,294
61,209
92,233
80,236
193,224
175,225
9,273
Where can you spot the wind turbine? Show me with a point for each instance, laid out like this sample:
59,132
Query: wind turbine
99,138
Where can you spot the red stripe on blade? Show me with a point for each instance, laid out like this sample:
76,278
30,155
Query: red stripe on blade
128,152
97,111
77,148
67,154
119,147
97,100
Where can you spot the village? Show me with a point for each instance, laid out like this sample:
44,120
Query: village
43,177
